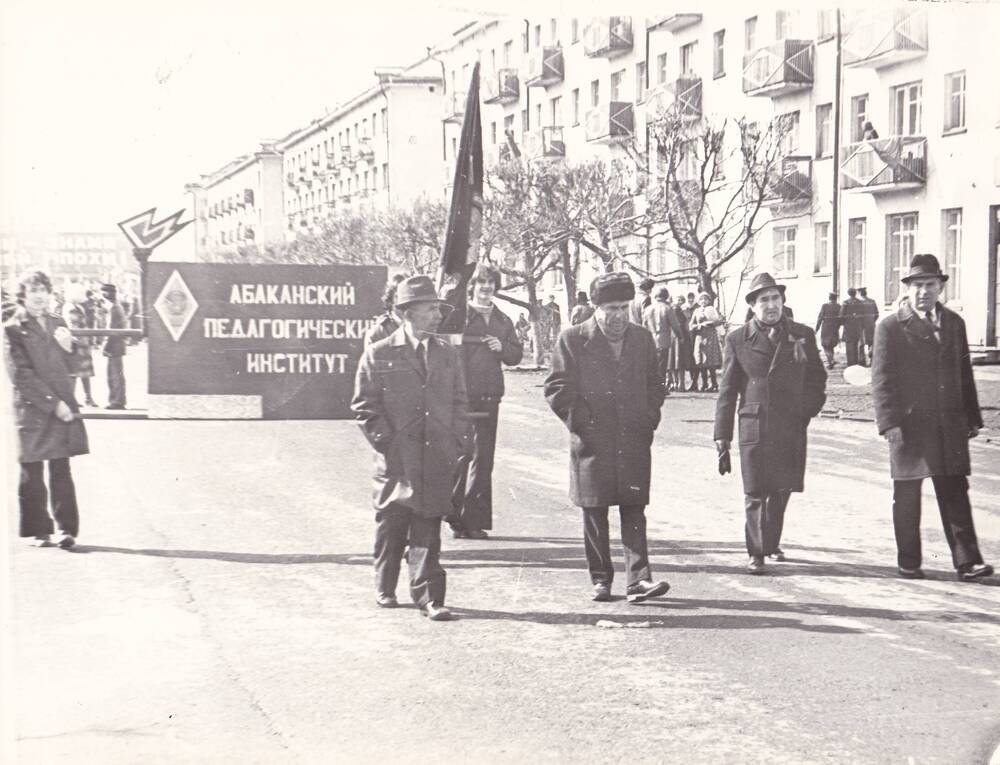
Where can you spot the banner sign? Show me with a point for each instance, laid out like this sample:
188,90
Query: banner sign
288,335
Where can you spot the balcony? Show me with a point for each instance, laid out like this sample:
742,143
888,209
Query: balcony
884,165
347,157
608,37
879,37
783,67
291,179
248,197
687,97
454,107
791,182
611,123
673,22
365,149
545,67
331,162
502,87
546,143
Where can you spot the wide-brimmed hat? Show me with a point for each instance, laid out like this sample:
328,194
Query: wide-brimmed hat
761,282
416,289
924,264
109,291
611,288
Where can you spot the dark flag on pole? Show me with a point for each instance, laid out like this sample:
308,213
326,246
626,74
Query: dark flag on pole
461,241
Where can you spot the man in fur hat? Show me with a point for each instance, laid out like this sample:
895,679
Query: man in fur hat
926,407
772,367
606,387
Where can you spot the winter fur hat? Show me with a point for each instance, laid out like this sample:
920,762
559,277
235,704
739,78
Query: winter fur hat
611,288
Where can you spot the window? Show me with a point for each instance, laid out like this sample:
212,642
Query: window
374,181
640,81
784,248
508,49
575,103
785,23
574,30
719,53
859,116
553,31
538,114
617,80
538,35
750,34
951,246
901,243
788,125
954,101
824,130
385,176
687,58
556,111
364,127
508,124
906,103
524,42
493,132
454,147
493,59
595,92
826,24
524,120
821,256
661,68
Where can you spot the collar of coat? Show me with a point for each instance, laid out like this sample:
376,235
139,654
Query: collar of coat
398,338
597,342
791,333
22,317
914,324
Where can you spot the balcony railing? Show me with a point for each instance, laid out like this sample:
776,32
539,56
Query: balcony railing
608,36
248,197
502,88
884,164
331,162
782,67
687,97
673,22
347,156
546,143
545,67
454,106
610,122
791,182
365,149
882,36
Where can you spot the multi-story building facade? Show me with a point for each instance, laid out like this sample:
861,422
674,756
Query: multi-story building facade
240,204
919,73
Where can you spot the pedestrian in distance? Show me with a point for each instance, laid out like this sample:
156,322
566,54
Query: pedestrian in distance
869,318
661,321
388,322
489,340
705,321
643,299
606,387
583,310
410,400
927,408
774,381
828,327
852,320
38,348
685,359
81,362
114,348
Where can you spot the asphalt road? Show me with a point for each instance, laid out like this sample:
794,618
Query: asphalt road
219,609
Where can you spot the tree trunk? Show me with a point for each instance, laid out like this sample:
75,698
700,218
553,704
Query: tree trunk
534,316
569,275
608,260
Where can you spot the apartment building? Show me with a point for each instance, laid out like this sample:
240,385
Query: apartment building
920,74
240,204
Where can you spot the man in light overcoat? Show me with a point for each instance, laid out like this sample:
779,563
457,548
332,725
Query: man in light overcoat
410,400
606,387
773,371
927,408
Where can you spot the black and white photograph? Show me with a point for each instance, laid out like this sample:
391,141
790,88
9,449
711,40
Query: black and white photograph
500,382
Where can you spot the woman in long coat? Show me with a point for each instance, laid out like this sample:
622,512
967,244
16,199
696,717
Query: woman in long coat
707,349
38,348
81,362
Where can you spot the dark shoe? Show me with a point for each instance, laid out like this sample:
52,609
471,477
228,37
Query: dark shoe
476,534
435,613
602,592
911,573
458,532
756,564
66,541
713,389
90,402
645,590
975,571
384,600
778,555
115,406
693,388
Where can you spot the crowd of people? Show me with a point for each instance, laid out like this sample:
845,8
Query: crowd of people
852,322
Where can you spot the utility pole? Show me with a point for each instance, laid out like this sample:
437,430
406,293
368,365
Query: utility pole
835,218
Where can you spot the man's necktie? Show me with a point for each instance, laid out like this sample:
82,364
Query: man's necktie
773,334
930,320
422,358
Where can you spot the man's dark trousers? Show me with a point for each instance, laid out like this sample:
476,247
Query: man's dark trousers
765,520
33,499
956,516
472,497
597,544
395,527
116,381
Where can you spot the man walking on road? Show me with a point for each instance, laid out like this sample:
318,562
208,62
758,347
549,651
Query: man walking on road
851,318
869,318
606,387
410,399
927,409
828,327
114,349
773,367
641,301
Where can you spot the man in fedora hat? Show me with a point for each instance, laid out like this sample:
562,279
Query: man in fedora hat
926,407
869,318
773,367
828,326
114,348
410,399
606,387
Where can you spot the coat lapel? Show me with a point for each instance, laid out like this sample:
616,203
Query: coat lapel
403,347
597,344
914,326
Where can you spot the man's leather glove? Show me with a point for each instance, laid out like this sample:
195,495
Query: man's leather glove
725,462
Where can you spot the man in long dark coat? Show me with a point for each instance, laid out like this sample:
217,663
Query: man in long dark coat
851,319
869,318
605,386
772,367
927,408
410,400
828,327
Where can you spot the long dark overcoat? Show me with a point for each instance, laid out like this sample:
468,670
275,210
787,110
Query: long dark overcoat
828,325
926,388
779,391
611,409
418,427
40,371
852,313
483,373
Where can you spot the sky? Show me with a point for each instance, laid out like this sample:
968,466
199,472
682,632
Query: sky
107,109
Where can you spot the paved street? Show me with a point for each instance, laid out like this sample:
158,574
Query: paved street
219,609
